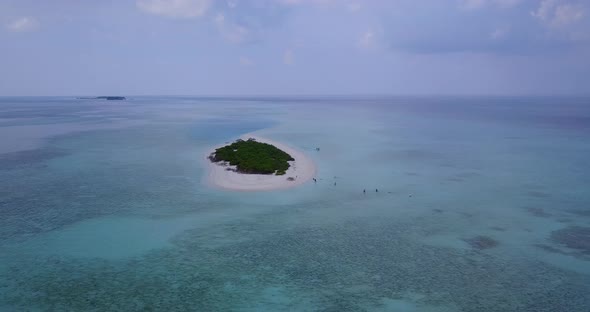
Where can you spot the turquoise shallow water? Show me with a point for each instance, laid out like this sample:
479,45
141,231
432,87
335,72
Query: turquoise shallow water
483,205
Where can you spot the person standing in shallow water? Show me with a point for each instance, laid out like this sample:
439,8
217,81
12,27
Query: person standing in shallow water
376,191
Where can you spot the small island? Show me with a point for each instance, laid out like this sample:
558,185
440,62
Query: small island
255,163
253,157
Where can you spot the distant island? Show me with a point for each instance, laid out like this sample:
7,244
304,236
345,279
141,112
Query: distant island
253,157
108,98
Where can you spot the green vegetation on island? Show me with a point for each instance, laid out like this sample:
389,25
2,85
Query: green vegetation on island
251,156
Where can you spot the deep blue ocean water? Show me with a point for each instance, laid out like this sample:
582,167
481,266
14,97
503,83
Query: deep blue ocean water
483,205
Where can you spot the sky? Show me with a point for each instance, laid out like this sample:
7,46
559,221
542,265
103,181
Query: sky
295,47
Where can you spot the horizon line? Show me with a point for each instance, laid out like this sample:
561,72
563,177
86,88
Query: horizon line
327,95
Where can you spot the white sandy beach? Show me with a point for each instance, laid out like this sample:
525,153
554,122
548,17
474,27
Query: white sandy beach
302,169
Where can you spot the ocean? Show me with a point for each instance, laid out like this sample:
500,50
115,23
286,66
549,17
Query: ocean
471,204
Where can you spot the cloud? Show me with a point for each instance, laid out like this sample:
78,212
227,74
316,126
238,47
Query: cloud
246,22
23,24
479,4
175,8
307,2
544,10
473,4
367,40
565,20
557,13
245,61
288,57
566,14
354,7
238,21
490,26
231,32
500,32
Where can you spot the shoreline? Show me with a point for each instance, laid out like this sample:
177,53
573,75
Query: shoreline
302,169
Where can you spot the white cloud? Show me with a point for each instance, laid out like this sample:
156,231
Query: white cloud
555,13
545,9
231,32
507,3
499,33
473,4
220,19
175,8
237,21
367,39
23,24
566,14
290,2
298,2
245,61
354,7
478,4
288,57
